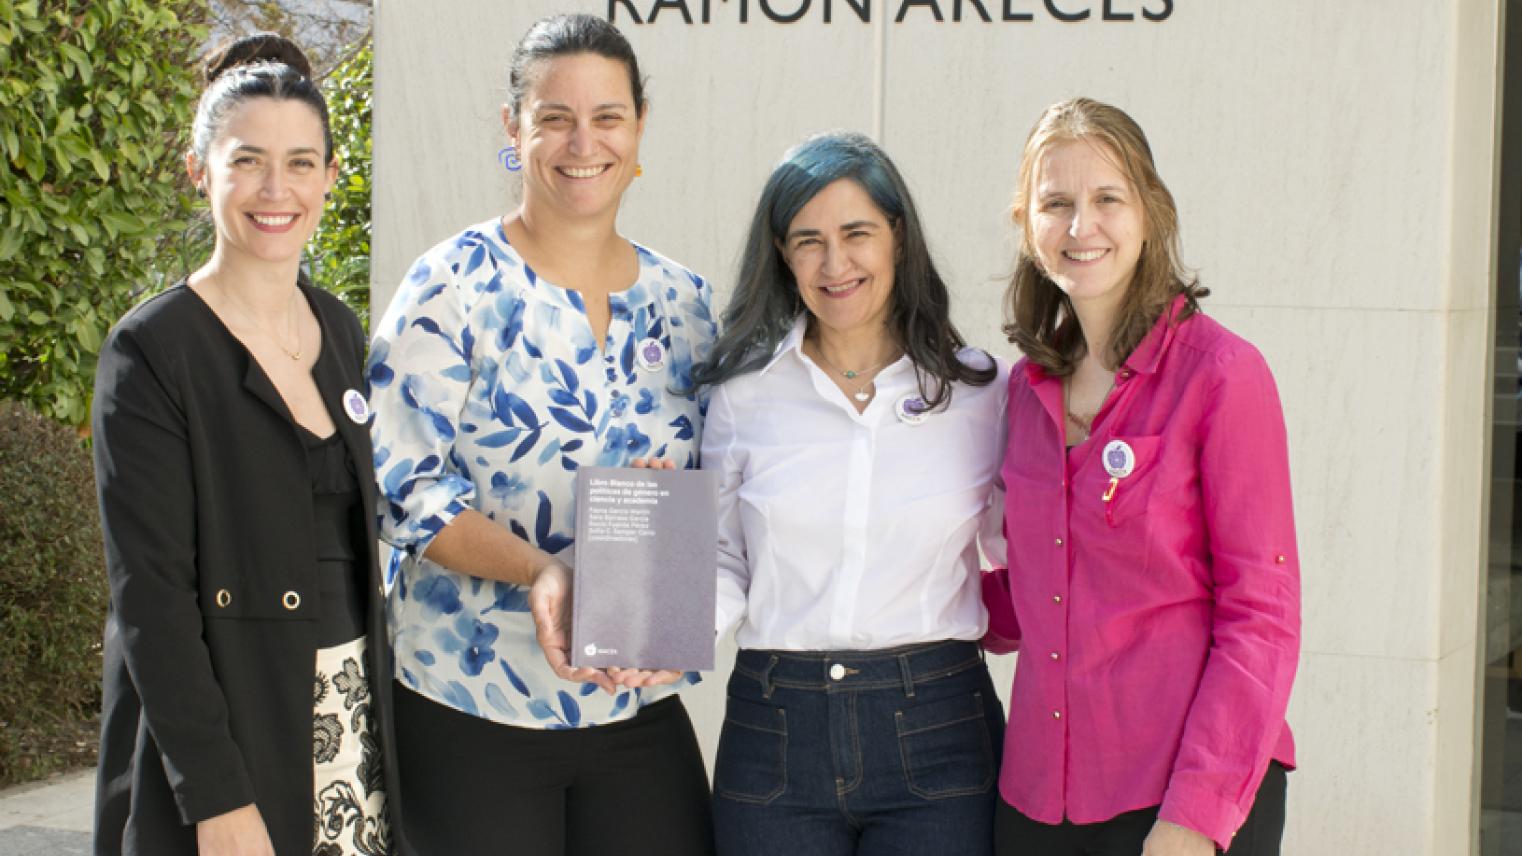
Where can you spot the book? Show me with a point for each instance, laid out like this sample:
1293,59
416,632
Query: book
646,573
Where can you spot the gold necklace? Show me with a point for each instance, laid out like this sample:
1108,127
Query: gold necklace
295,324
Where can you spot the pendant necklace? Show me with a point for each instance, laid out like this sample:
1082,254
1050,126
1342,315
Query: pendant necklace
861,394
1084,422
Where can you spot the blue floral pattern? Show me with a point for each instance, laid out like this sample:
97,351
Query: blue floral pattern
489,391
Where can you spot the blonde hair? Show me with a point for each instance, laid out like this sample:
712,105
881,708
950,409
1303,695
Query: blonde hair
1038,315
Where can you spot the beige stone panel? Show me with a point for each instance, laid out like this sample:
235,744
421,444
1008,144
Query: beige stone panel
1466,473
1366,736
1454,792
1474,155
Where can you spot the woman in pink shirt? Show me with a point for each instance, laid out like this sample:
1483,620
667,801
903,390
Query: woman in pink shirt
1153,585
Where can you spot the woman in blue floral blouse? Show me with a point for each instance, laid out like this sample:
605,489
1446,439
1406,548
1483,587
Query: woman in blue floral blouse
515,352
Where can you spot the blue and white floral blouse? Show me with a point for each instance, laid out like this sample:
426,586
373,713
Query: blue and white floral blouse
489,391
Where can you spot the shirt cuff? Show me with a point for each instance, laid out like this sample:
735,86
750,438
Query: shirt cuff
1204,812
431,526
1003,635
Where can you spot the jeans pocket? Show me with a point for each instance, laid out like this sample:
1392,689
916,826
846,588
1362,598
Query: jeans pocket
945,747
752,763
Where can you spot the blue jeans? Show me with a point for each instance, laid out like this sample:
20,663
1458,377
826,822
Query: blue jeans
859,752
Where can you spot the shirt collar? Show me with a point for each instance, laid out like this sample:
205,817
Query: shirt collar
1153,345
793,341
1145,358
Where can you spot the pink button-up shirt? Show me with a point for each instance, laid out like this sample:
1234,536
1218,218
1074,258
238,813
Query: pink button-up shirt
1158,617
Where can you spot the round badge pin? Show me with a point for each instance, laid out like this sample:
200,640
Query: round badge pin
1120,461
651,354
356,407
911,409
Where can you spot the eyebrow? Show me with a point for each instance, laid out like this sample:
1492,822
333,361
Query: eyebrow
553,105
845,227
1103,188
304,150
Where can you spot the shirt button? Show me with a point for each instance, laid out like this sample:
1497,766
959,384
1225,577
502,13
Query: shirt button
1056,656
837,672
1059,542
1056,598
1056,714
1279,559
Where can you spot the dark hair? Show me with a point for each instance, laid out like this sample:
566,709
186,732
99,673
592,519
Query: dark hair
264,65
766,302
565,35
1039,315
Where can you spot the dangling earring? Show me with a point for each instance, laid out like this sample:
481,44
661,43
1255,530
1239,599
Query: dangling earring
509,159
638,170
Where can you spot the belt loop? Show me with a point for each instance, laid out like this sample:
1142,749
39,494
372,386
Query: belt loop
766,678
903,666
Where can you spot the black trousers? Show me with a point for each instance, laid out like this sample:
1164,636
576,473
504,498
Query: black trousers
478,787
1017,835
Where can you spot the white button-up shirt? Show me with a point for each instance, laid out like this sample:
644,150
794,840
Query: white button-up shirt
841,530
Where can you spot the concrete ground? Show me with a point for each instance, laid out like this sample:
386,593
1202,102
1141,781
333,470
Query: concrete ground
48,818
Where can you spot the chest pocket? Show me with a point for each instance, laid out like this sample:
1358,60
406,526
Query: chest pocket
1125,498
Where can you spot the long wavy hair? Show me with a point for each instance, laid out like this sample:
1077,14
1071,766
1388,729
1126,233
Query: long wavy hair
766,302
1038,314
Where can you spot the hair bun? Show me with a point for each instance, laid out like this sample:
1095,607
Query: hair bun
254,49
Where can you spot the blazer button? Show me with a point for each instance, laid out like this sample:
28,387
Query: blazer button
291,600
224,597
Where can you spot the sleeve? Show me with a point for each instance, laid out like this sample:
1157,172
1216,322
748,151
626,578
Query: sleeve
719,453
1238,711
419,374
147,497
697,340
1003,635
705,332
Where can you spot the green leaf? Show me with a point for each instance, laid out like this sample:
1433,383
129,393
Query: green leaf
98,161
10,242
121,221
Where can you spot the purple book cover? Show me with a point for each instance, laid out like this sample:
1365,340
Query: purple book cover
646,568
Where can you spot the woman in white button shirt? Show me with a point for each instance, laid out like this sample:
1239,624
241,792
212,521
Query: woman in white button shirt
858,442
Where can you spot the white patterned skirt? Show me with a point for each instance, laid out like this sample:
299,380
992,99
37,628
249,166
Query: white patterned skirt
349,804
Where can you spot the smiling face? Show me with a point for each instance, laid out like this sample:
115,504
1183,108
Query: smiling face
842,252
577,133
1085,222
265,178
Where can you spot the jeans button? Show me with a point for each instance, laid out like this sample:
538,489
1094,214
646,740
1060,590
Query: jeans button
837,672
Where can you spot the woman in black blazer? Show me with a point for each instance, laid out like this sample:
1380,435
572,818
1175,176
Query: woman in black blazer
233,463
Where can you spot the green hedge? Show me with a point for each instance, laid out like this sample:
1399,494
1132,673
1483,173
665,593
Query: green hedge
52,597
97,97
340,251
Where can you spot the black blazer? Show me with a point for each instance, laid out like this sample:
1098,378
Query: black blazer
206,506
